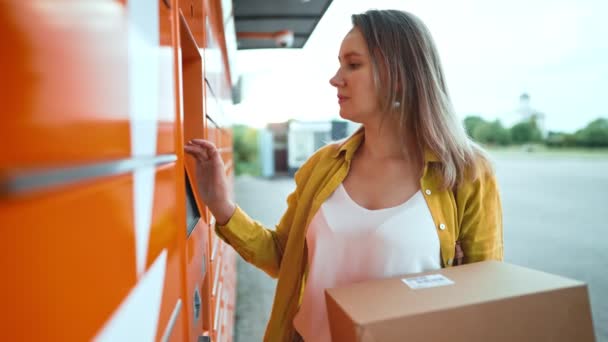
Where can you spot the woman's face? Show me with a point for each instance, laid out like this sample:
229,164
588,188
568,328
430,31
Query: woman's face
354,80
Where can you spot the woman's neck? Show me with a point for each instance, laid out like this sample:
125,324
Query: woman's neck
385,142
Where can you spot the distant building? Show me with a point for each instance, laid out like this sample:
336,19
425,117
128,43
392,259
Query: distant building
278,132
526,112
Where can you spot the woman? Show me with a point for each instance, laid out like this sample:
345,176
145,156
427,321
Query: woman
404,194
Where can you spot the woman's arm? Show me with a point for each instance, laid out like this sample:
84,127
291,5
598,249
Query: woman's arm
257,244
480,214
261,246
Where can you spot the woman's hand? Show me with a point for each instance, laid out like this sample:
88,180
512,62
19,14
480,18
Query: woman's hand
211,179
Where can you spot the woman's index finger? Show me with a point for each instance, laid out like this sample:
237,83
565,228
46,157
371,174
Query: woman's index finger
203,143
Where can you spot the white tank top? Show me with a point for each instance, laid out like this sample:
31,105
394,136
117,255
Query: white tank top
348,243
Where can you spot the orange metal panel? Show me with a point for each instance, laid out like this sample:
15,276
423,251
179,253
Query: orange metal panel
208,300
227,154
229,278
168,227
216,274
68,71
213,248
213,134
231,297
194,124
196,252
229,266
178,334
67,244
194,13
61,59
218,308
185,321
216,286
167,86
59,256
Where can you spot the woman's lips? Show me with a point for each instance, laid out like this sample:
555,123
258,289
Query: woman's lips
342,99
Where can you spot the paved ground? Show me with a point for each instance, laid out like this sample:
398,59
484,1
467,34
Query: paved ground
555,217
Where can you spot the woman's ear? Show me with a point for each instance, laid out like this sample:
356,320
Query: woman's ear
398,83
398,88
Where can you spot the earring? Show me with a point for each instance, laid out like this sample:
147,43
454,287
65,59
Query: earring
396,104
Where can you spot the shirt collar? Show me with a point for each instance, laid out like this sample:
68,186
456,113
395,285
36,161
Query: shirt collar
430,156
350,145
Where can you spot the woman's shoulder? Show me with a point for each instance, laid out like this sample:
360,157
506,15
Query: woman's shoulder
479,173
316,167
322,161
323,155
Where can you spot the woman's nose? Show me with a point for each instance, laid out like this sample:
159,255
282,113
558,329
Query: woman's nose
336,80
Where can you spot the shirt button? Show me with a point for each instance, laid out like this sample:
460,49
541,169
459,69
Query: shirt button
427,191
442,226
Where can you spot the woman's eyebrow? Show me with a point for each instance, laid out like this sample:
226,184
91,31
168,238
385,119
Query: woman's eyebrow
349,54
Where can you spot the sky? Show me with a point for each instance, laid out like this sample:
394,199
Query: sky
492,51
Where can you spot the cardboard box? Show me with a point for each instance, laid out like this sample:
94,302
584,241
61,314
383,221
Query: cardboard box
485,301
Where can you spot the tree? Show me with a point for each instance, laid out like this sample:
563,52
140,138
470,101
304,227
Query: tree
245,148
486,132
471,122
594,135
560,139
526,132
491,133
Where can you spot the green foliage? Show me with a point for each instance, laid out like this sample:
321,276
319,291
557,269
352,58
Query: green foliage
559,139
471,123
246,151
594,135
492,133
526,132
485,132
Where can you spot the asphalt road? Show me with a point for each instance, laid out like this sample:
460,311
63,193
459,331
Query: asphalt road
555,217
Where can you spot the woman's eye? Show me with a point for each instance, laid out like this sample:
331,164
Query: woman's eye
353,65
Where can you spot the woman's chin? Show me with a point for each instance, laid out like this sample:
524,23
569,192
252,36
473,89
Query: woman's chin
345,115
348,116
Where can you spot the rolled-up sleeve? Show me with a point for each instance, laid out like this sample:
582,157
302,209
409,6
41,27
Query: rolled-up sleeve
258,245
261,246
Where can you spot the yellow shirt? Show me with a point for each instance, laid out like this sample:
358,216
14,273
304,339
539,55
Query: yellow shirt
472,214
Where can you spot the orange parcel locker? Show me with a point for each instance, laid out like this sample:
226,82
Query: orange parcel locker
75,163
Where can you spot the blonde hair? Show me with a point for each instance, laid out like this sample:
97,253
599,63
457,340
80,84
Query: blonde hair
410,84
